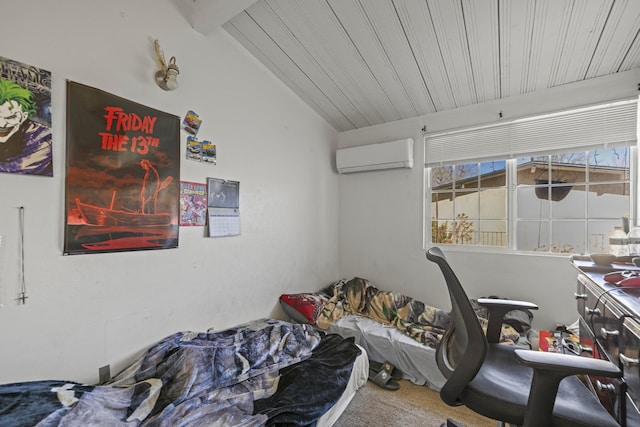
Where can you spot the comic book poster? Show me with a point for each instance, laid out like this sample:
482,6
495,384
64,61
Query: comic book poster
193,203
25,115
123,174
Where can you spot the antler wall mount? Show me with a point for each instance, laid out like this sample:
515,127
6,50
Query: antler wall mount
166,76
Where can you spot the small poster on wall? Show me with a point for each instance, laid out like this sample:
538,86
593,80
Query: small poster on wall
25,117
193,203
123,171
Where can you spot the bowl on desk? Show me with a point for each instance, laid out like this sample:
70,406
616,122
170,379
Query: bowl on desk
603,259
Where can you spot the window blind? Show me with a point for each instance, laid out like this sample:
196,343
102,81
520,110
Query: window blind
606,125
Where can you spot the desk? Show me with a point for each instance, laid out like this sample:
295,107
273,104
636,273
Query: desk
610,329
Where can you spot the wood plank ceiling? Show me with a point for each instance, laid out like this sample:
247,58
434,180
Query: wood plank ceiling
364,62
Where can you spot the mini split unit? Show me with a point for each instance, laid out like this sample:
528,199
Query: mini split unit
384,155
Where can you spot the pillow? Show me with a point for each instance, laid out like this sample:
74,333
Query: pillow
303,308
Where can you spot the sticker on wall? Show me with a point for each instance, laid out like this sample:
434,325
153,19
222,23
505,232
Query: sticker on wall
123,171
194,149
201,151
209,154
25,114
191,122
193,203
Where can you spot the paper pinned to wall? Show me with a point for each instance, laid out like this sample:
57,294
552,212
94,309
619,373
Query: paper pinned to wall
223,202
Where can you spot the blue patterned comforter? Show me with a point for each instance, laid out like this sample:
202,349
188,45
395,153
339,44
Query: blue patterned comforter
245,376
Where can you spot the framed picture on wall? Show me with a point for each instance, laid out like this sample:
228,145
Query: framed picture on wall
123,174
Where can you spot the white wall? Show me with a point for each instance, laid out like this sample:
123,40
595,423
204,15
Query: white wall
381,213
86,311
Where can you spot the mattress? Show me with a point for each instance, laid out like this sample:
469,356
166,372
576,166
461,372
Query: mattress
359,376
416,361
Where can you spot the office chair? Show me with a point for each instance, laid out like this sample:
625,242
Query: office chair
507,383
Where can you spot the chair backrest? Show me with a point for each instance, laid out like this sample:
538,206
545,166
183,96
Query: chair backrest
463,347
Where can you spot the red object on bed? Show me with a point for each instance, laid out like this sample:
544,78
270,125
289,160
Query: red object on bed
302,308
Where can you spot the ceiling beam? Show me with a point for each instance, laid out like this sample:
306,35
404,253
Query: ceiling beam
207,15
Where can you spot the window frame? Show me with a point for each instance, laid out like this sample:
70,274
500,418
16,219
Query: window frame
461,139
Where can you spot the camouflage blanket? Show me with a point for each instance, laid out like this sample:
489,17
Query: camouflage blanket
423,323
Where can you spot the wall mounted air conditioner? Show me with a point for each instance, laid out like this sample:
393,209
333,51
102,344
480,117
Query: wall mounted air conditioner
384,155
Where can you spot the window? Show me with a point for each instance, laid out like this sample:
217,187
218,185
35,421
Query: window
469,204
569,202
563,195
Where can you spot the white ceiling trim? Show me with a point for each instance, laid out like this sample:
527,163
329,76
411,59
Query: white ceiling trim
207,15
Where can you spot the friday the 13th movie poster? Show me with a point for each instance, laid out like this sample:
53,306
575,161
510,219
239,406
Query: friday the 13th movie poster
123,174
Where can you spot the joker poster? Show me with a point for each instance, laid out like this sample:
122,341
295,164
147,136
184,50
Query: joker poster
123,174
25,119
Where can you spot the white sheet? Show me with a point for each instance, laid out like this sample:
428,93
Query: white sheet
359,376
386,343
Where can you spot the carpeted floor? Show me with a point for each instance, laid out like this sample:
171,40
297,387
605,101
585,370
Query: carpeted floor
411,405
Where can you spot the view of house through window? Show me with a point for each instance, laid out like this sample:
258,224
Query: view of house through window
561,203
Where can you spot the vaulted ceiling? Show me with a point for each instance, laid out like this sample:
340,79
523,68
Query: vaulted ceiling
365,62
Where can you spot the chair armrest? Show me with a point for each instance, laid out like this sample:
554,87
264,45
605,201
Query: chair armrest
567,364
497,309
548,370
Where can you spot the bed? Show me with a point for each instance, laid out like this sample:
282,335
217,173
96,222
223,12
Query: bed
262,373
416,361
390,326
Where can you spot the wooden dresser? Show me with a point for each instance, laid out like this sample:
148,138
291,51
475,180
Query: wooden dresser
610,329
